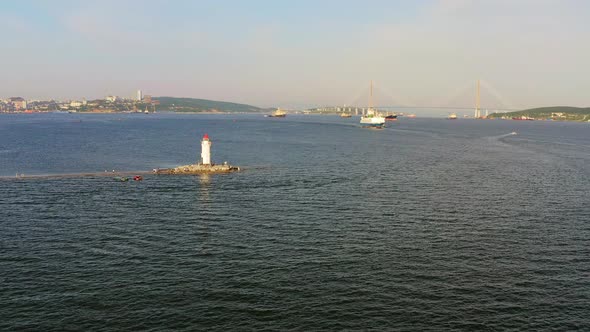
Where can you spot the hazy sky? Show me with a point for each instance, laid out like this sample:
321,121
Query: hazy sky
286,53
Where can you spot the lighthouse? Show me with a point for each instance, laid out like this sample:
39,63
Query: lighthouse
204,166
206,150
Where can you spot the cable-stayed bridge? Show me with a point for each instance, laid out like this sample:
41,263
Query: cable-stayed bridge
480,97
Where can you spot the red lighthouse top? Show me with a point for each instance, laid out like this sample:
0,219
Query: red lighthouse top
206,137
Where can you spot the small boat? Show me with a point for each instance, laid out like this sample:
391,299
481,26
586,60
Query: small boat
121,178
137,178
452,116
278,114
345,115
391,117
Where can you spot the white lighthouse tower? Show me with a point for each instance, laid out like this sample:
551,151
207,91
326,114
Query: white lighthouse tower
206,150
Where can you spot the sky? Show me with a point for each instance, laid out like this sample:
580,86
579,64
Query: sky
302,53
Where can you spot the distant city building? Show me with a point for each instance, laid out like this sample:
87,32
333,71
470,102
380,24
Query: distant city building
112,99
75,103
147,99
18,102
139,95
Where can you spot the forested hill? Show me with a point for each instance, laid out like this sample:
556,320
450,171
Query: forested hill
203,105
565,113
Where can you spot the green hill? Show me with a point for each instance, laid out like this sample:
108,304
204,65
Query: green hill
203,105
562,113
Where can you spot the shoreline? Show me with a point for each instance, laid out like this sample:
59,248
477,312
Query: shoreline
292,114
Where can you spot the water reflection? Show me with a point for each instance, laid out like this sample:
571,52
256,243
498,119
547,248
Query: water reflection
204,207
204,187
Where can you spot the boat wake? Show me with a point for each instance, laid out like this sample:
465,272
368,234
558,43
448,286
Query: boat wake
507,135
500,137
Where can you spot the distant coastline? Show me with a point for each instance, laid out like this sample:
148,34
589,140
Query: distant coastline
554,113
145,104
191,105
115,104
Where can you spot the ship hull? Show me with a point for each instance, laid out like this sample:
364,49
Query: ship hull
376,126
374,122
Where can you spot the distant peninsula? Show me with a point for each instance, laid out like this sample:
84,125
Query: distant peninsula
192,105
557,113
115,104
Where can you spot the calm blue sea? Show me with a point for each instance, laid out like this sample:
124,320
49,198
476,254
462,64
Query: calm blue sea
427,225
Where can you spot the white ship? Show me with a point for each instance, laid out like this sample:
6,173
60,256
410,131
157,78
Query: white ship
278,114
372,118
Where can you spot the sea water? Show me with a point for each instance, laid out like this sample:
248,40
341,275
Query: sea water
428,224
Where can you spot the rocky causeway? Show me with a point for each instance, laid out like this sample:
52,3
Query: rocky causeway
198,169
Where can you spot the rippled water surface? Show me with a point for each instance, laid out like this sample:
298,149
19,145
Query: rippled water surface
428,224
